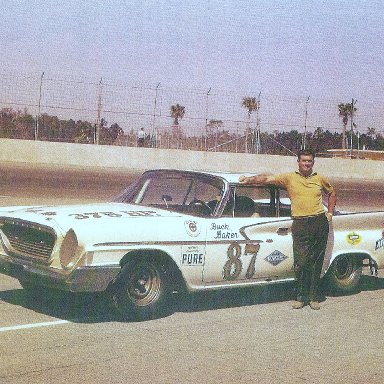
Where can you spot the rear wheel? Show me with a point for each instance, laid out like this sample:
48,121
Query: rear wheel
344,274
142,290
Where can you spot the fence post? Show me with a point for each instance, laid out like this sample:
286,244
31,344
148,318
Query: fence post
154,131
304,138
352,125
206,118
39,108
98,118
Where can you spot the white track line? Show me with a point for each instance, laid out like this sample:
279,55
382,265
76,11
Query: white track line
33,325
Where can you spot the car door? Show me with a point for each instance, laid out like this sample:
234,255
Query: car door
243,250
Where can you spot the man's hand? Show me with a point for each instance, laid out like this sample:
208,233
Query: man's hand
329,216
243,179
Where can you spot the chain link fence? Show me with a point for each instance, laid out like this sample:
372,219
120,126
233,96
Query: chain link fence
214,120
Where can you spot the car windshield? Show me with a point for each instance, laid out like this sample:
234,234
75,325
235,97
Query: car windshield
177,191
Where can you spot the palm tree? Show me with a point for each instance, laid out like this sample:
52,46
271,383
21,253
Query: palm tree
317,139
371,132
177,112
212,130
251,104
345,112
370,138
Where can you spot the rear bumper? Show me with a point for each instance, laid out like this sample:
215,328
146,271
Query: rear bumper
82,279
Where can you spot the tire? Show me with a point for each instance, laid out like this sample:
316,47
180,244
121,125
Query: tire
142,290
344,274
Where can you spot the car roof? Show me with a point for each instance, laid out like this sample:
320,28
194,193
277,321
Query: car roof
230,177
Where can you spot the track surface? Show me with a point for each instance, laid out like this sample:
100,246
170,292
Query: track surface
248,335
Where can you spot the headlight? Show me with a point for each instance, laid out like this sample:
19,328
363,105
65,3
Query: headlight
69,249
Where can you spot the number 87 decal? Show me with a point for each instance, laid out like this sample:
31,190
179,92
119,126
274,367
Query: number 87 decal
233,266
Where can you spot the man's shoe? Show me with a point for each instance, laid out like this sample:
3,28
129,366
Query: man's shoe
314,305
298,304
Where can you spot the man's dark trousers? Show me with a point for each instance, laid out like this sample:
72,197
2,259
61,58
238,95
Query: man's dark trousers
310,235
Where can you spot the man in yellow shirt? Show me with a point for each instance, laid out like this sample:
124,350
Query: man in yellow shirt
310,226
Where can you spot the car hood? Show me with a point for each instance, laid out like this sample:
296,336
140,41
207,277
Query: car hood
71,216
104,224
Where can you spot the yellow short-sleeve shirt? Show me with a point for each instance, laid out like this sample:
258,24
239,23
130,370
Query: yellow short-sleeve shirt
306,193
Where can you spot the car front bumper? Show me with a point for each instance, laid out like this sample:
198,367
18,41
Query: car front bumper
82,279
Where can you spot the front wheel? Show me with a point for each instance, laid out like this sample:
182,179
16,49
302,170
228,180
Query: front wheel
344,274
142,290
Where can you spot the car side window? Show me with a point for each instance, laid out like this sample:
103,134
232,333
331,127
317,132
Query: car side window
284,208
241,203
251,201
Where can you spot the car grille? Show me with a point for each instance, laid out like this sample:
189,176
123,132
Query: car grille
27,239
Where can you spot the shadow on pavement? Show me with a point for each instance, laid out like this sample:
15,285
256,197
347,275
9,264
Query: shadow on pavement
236,297
371,283
97,308
75,307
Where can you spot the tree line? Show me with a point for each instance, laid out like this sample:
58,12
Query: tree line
22,125
16,124
282,142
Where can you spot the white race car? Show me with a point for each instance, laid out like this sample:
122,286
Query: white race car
176,230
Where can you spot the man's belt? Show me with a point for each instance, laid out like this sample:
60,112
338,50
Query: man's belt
307,217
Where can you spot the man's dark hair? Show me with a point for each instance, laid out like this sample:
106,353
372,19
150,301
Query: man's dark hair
306,152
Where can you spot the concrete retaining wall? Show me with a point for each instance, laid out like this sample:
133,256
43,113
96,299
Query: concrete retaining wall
86,157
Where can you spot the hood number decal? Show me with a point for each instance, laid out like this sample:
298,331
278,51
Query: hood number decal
99,215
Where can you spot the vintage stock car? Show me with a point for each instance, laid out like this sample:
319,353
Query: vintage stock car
173,231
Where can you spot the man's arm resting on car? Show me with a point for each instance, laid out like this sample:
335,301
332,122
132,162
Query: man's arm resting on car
262,179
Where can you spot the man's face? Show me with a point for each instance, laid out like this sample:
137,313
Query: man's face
305,164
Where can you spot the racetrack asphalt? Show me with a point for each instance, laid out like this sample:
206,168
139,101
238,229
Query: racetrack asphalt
247,335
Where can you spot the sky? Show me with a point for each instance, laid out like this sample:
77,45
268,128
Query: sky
330,50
